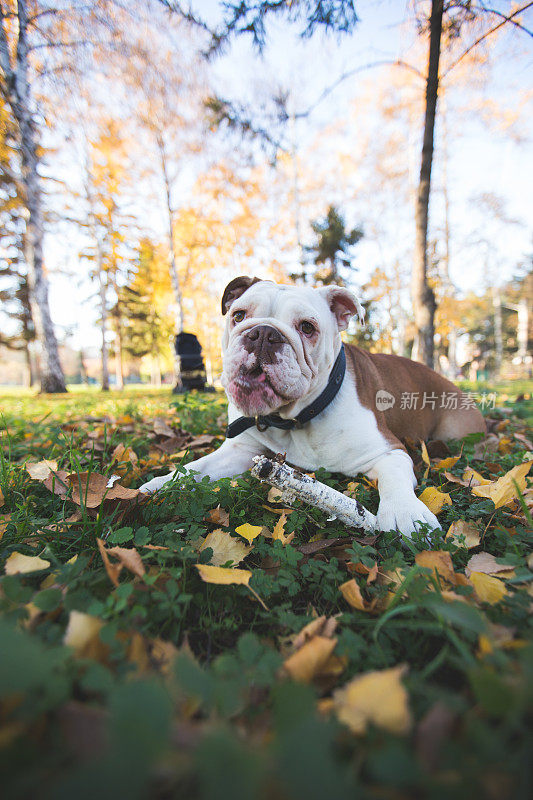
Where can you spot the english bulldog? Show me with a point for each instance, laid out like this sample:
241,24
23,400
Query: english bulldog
293,387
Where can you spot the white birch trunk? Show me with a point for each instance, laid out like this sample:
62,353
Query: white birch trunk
296,485
18,96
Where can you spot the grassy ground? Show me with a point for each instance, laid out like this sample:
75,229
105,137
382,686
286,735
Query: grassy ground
123,674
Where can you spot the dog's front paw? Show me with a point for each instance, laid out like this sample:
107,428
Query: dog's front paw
405,514
155,484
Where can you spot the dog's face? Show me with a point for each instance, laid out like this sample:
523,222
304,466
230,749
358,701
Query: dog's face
280,341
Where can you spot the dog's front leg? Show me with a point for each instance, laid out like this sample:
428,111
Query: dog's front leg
233,457
399,507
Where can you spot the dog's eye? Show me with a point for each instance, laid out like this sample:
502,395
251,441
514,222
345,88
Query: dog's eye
307,328
239,316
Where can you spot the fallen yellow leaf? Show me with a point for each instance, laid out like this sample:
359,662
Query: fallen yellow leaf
40,470
310,659
225,548
4,521
503,491
1,498
81,631
467,531
352,594
223,575
19,564
438,560
473,478
446,463
377,698
487,588
249,532
279,531
434,499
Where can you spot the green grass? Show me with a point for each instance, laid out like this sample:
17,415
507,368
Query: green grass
217,717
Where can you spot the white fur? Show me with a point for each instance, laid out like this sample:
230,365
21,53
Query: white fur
344,438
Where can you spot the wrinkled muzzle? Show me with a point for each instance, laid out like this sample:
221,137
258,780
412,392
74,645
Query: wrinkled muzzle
262,371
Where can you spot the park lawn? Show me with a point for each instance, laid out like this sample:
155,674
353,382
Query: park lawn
342,665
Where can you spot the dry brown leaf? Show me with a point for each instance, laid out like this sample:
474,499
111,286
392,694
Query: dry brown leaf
175,445
225,548
309,661
377,698
90,489
201,441
218,516
468,532
57,482
486,562
528,444
162,428
503,491
128,557
487,445
1,498
454,479
113,570
439,561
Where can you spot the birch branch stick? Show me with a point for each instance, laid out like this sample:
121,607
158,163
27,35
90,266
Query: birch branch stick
296,485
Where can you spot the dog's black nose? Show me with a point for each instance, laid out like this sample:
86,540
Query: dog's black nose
264,335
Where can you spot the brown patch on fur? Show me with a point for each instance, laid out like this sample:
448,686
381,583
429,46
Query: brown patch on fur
397,375
234,289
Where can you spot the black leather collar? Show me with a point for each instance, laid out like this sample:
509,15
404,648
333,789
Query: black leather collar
323,400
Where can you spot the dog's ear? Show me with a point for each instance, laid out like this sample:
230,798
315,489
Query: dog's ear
344,305
234,289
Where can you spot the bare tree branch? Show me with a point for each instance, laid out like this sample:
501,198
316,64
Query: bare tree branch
350,73
489,32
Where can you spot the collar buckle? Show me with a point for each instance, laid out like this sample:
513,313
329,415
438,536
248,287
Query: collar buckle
261,426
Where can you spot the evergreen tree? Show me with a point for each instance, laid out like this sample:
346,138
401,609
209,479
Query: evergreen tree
146,301
331,250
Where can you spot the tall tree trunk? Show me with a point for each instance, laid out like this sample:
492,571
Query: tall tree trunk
522,329
103,324
448,283
29,365
174,274
119,366
83,369
18,96
422,294
498,335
